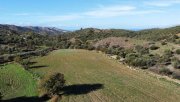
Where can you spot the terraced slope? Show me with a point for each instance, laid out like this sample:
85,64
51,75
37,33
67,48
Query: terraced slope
92,77
16,82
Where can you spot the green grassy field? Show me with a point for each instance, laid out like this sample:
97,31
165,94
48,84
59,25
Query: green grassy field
16,82
121,84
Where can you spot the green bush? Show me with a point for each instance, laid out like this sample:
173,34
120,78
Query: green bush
178,51
25,63
18,59
176,75
176,63
138,60
90,47
52,84
165,71
154,47
142,50
163,43
169,53
165,59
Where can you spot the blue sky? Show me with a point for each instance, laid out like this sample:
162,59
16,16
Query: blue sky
74,14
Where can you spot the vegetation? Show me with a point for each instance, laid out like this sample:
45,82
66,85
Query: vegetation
165,71
120,83
178,51
176,63
158,49
52,85
154,47
16,82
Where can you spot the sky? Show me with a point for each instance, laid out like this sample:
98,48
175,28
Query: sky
105,14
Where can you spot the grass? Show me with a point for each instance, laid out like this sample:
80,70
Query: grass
16,82
121,84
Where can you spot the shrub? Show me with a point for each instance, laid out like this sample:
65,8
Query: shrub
52,84
154,47
141,49
109,51
165,59
165,71
25,63
176,63
169,53
18,59
90,47
176,75
163,43
178,51
139,60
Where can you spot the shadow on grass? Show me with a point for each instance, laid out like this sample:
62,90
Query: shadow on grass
32,66
78,89
81,89
28,99
40,66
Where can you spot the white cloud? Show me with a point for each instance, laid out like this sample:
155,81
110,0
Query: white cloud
99,12
163,3
117,10
110,11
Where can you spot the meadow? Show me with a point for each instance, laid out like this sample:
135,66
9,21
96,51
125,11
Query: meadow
93,77
16,82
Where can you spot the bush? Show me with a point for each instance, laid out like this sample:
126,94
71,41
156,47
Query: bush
165,71
141,49
178,51
154,47
25,63
137,60
52,84
176,75
18,59
90,47
163,43
168,53
176,64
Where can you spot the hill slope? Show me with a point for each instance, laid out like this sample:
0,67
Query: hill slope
35,29
86,72
16,82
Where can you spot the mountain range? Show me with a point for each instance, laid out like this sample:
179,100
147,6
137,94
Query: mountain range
35,29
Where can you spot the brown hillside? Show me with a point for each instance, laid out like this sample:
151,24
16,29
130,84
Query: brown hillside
121,41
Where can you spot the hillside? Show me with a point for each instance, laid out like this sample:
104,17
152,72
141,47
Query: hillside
168,34
95,78
16,82
9,29
158,34
121,42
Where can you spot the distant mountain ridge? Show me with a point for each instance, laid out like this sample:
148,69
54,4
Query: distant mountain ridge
35,29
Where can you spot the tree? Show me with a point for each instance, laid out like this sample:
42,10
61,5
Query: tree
52,84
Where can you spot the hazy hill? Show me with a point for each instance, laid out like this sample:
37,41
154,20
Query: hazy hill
9,29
